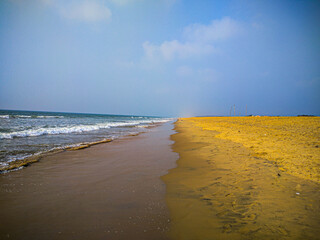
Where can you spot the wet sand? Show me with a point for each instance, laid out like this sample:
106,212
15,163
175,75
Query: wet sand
224,190
107,191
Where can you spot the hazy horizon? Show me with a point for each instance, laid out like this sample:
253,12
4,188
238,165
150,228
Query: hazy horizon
93,113
160,58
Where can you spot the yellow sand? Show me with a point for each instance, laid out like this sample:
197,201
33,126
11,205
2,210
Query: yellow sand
245,178
293,143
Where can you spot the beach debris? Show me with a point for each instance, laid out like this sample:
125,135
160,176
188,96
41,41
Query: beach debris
86,145
297,193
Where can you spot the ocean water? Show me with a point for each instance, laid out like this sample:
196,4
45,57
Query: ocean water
26,133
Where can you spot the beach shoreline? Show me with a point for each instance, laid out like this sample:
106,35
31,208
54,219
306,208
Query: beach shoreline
27,161
189,182
111,191
26,137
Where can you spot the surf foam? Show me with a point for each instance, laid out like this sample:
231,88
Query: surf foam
74,129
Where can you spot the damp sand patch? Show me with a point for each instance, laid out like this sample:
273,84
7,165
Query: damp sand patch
20,163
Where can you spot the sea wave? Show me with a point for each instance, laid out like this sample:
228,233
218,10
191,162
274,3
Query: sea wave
20,116
28,116
75,128
49,117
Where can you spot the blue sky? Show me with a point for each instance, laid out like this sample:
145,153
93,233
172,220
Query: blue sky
160,57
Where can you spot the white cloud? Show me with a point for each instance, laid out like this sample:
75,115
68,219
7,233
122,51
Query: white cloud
175,49
88,11
217,30
198,40
149,49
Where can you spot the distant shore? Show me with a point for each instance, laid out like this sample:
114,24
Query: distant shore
245,178
107,191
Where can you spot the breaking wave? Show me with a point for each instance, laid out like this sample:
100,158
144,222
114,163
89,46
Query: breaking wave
28,116
75,128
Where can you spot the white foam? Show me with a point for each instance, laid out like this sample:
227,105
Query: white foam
75,129
2,164
143,126
28,116
12,170
49,116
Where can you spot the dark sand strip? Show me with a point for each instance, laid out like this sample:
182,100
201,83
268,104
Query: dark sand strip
108,191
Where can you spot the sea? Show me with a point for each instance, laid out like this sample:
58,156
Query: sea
27,133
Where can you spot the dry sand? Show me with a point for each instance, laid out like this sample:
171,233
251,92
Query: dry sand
107,191
293,143
257,178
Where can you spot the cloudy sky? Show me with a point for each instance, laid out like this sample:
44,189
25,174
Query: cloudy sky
160,57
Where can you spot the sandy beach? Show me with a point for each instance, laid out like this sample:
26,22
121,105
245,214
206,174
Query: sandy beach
107,191
223,189
159,120
208,178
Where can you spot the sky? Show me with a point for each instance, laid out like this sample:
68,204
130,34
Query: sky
161,57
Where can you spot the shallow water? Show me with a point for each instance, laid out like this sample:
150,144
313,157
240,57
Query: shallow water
26,133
